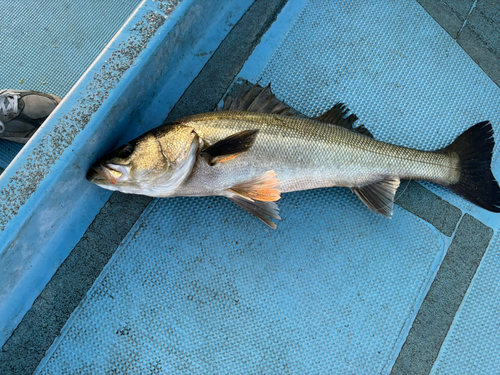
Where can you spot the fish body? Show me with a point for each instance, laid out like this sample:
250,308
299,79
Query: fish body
256,148
305,154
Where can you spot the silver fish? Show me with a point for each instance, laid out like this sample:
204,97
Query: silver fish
256,147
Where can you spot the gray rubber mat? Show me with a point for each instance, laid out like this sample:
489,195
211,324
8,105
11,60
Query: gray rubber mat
472,342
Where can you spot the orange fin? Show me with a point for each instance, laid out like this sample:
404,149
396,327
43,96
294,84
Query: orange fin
222,159
263,188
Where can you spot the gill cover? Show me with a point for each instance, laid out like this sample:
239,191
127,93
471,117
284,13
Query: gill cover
154,164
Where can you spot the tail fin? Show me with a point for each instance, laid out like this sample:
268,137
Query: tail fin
477,184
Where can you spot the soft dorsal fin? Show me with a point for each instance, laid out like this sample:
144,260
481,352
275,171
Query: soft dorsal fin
230,147
257,196
379,196
339,115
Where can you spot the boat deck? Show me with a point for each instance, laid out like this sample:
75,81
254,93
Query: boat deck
94,282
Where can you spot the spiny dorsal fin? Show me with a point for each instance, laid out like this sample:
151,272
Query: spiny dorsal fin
236,103
262,188
230,147
256,99
339,115
379,196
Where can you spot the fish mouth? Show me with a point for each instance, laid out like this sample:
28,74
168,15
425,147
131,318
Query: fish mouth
103,172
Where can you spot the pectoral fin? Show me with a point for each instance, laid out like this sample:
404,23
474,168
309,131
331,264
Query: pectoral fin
230,147
379,196
262,188
257,196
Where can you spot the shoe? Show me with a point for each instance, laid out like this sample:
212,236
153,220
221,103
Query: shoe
22,112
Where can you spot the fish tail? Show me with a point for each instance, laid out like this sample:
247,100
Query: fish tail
476,182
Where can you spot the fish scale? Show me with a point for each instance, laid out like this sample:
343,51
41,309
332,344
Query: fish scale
307,154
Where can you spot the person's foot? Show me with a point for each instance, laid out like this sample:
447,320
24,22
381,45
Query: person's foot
22,112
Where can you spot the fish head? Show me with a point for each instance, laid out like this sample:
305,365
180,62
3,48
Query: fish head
153,164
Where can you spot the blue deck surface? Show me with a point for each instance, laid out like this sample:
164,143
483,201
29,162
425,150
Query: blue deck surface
64,50
8,151
201,285
47,204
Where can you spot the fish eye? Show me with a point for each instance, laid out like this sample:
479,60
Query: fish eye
125,151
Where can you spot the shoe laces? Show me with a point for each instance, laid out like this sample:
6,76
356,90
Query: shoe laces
11,99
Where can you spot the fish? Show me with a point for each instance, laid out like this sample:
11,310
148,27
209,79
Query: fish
255,148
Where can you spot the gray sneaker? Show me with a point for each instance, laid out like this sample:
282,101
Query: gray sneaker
22,112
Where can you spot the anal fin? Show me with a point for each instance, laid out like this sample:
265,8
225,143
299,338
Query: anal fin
257,196
379,196
230,147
